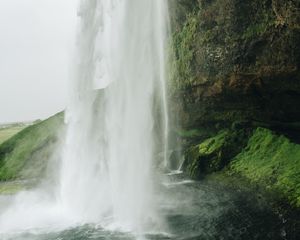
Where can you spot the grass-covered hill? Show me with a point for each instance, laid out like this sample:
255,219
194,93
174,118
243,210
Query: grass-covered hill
25,154
6,132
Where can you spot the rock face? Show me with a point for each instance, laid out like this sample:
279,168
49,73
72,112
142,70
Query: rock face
237,62
235,89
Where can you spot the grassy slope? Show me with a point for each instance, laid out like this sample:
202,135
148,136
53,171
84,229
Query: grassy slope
24,156
272,161
8,132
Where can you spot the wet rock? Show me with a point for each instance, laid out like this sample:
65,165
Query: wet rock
214,153
236,61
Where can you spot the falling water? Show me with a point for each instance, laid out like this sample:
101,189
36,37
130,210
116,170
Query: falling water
106,172
116,129
118,101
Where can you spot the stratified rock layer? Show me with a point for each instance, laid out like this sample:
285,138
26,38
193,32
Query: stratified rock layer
236,61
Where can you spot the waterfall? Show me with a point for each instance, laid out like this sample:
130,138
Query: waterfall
107,166
117,123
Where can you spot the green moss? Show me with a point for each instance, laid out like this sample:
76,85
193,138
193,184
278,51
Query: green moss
24,155
184,52
272,161
214,153
259,27
189,133
212,144
205,156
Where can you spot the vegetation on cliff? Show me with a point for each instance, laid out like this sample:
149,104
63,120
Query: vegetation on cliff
272,161
236,61
214,153
261,156
236,89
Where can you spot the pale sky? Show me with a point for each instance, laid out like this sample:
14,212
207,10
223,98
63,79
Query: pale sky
36,43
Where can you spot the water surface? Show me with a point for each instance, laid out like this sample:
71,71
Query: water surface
203,210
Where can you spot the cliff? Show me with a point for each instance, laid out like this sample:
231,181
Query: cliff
235,72
236,61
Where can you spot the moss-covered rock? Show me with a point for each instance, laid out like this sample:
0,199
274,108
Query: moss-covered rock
260,156
237,67
272,161
214,153
235,60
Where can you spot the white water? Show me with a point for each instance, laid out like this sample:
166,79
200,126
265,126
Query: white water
106,174
110,147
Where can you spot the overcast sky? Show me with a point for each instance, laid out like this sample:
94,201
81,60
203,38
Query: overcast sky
36,39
